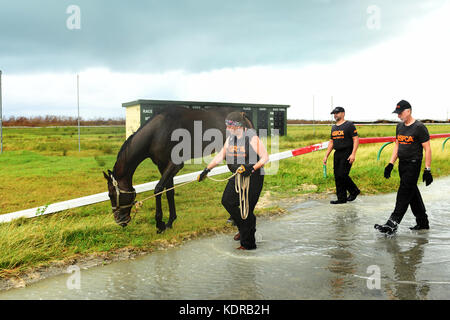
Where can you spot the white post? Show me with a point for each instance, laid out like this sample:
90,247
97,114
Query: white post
78,104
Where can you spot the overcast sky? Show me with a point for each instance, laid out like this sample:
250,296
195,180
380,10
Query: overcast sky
367,55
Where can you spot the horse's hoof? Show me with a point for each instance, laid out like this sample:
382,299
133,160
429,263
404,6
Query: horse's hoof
169,226
160,227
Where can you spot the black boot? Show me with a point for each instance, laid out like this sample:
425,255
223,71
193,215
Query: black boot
338,201
352,197
420,227
389,228
421,224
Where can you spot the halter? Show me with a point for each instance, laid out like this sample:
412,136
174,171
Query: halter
118,192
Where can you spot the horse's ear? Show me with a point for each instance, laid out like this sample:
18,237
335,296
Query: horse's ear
106,176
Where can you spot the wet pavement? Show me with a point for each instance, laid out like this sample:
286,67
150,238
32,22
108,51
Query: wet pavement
317,251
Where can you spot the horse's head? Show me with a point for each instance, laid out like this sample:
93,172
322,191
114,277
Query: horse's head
121,200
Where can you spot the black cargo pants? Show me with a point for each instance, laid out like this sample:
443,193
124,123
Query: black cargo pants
408,193
341,174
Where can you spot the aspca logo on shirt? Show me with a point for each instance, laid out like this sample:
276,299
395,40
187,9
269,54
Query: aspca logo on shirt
338,134
405,139
236,151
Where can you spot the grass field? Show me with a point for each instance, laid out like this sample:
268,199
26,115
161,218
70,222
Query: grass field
40,166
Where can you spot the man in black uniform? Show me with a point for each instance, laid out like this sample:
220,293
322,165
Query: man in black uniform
411,138
345,141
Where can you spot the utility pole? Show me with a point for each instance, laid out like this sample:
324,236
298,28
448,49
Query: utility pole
332,107
314,124
1,115
78,104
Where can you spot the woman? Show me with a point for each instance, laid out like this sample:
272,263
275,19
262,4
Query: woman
245,154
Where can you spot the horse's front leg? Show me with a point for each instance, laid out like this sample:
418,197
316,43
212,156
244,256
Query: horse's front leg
171,195
171,201
160,225
166,181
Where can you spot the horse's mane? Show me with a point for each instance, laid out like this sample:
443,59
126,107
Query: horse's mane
125,145
122,154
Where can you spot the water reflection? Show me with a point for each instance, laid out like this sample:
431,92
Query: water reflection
319,251
243,280
341,262
165,280
406,265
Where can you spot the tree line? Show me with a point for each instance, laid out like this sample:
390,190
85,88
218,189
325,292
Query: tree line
49,121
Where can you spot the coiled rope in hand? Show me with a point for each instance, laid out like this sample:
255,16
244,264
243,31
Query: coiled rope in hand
242,185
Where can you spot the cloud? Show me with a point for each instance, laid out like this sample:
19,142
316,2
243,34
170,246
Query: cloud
190,35
367,82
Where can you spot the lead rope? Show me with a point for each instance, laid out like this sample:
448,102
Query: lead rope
221,180
140,202
242,186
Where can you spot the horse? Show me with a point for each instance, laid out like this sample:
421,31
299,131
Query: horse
154,140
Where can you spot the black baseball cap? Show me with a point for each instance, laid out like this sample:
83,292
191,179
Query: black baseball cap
337,110
402,105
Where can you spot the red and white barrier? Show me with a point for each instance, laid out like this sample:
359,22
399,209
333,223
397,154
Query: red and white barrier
324,145
100,197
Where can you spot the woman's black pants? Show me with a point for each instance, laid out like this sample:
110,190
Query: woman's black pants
230,200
